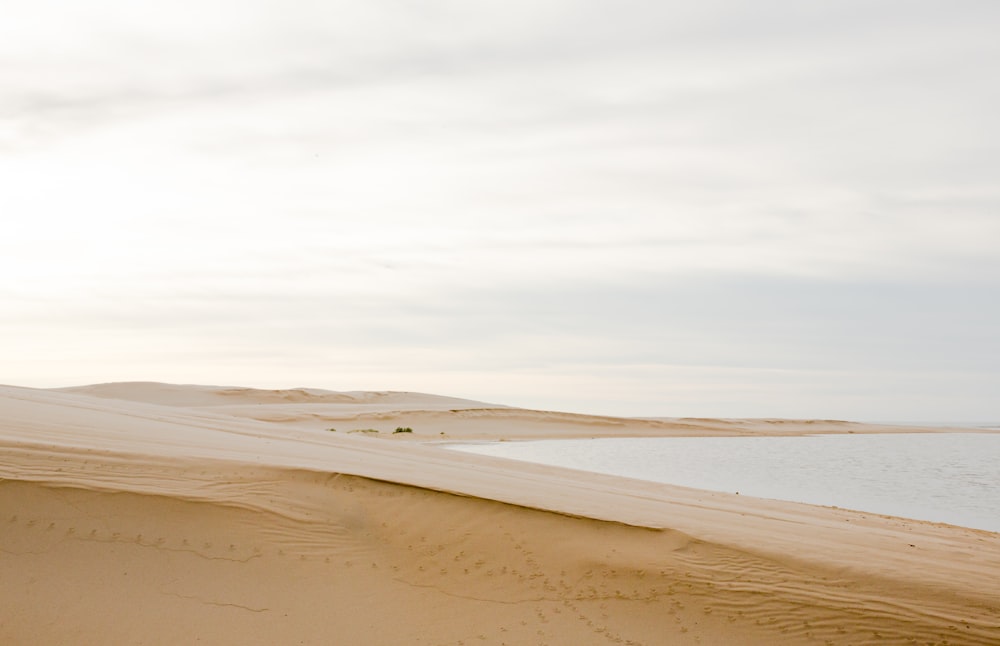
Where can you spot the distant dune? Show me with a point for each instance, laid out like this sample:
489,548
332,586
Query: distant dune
166,514
197,396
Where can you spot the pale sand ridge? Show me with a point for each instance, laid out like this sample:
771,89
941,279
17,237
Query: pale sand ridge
200,396
129,517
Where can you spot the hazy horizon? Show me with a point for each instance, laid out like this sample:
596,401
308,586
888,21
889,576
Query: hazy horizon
728,209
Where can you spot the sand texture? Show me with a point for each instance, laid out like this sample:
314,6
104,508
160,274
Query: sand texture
149,513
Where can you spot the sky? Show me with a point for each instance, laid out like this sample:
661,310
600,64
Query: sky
724,208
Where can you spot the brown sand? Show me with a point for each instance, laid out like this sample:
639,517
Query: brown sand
157,514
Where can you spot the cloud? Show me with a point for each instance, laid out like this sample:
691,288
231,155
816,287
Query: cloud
753,198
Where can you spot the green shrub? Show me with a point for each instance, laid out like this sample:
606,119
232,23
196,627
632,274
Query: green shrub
402,429
364,430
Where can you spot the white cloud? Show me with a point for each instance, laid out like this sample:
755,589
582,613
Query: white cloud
429,191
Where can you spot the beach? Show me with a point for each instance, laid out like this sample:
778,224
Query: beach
146,513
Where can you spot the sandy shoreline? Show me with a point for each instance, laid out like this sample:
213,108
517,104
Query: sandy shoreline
158,514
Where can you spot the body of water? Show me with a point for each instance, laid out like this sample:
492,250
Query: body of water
944,477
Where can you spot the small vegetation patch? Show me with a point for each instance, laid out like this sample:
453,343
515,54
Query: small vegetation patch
402,429
364,430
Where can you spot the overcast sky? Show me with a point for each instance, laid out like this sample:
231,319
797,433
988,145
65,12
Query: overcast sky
714,208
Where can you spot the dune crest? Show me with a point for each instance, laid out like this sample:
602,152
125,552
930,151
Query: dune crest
201,395
124,520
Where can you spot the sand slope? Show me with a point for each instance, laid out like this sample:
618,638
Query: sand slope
182,518
433,417
201,396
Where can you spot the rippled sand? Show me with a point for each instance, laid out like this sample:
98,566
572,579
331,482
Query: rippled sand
159,514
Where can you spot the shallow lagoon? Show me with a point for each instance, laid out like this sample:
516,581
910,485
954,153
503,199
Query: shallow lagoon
944,477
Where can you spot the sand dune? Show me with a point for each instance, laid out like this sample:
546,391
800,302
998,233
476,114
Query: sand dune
160,514
434,416
199,396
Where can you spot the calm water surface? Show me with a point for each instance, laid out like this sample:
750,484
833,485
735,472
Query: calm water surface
945,477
